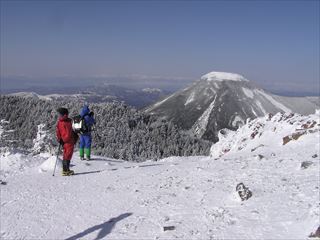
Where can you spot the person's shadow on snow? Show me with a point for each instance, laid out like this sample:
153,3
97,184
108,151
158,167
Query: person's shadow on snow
105,228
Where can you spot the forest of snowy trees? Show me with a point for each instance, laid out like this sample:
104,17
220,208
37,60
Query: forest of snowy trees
120,131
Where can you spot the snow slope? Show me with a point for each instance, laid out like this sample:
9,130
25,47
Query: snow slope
113,199
271,134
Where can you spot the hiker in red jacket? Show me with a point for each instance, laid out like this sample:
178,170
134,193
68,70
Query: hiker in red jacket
67,138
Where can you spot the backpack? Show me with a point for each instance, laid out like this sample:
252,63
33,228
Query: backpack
79,125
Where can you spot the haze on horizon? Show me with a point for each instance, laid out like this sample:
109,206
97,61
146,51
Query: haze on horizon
273,43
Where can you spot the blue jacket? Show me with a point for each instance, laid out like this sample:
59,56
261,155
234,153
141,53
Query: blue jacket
89,120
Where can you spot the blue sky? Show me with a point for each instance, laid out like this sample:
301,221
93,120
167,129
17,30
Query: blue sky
274,43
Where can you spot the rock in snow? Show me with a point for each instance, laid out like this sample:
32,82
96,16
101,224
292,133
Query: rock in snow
243,191
169,228
316,234
3,183
306,164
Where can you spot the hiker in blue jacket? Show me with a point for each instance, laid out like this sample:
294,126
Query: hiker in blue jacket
85,137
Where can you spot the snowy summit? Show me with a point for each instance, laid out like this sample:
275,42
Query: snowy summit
221,76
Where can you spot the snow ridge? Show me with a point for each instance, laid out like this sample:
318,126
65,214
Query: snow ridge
269,132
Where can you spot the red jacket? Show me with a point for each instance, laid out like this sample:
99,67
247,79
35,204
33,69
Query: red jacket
64,130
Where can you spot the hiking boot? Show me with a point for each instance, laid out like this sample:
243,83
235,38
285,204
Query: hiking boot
67,173
82,158
88,158
87,153
64,168
70,172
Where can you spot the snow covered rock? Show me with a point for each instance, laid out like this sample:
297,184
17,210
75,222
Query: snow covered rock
49,164
276,132
14,161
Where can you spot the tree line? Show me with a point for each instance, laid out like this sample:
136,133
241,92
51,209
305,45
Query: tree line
121,132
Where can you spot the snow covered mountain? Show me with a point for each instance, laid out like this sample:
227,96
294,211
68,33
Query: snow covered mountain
275,157
100,94
224,100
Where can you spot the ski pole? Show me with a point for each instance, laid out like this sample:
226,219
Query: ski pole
56,160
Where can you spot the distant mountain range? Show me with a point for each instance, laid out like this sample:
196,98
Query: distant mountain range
217,100
224,100
98,94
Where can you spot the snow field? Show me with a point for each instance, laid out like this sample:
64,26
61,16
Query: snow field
114,199
195,194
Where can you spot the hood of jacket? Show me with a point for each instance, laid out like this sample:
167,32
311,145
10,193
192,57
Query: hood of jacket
64,118
85,111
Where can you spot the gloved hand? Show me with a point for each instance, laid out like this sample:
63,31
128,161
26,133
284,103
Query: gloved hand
91,114
61,142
